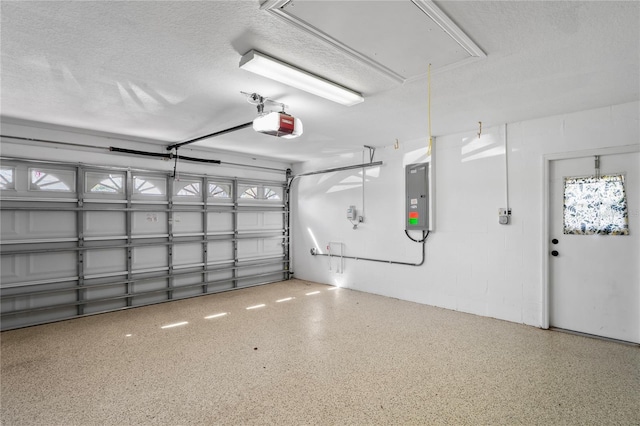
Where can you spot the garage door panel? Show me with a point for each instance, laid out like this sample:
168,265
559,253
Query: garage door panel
10,292
249,220
259,247
220,222
26,225
250,271
187,254
251,279
104,292
9,225
104,224
147,285
51,265
219,275
248,248
29,267
150,223
272,246
180,293
219,251
219,281
64,293
58,298
37,317
154,297
105,261
273,220
150,257
9,266
104,306
187,222
136,238
188,280
260,221
47,224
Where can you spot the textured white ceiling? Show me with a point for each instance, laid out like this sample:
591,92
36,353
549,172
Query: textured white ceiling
168,71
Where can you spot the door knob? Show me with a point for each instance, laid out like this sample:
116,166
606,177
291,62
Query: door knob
554,253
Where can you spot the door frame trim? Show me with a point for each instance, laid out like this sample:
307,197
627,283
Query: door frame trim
546,213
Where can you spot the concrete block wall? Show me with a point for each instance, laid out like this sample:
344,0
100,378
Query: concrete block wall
473,264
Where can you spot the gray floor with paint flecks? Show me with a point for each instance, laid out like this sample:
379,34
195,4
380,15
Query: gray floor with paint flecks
313,354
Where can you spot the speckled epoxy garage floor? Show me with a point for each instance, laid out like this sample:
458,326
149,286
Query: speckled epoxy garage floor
312,355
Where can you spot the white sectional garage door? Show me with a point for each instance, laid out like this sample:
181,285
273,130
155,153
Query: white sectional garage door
79,240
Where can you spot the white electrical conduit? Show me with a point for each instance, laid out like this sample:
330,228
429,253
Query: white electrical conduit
315,253
364,173
506,167
293,178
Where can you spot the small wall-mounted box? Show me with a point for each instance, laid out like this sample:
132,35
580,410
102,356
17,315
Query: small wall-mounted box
504,216
351,213
417,197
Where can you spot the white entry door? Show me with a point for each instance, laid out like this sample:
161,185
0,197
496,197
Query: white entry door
594,283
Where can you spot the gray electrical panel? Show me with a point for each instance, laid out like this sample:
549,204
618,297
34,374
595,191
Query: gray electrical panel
417,197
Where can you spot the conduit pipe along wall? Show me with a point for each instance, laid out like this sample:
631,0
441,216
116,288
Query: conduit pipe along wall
293,178
368,259
506,168
390,262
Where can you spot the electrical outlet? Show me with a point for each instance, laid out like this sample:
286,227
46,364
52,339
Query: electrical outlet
504,216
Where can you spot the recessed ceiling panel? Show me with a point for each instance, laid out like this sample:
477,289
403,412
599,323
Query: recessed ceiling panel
399,38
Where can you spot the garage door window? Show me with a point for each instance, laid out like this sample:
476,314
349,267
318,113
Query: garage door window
187,188
261,193
52,180
6,178
149,185
219,190
104,183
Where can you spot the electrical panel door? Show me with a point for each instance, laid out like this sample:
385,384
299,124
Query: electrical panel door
417,197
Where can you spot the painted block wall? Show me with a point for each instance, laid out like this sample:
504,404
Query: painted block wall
473,264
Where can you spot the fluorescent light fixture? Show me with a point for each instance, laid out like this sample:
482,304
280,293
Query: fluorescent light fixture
177,324
286,299
263,65
313,292
216,315
332,288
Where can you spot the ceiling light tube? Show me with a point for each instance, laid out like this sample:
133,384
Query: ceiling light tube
274,69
